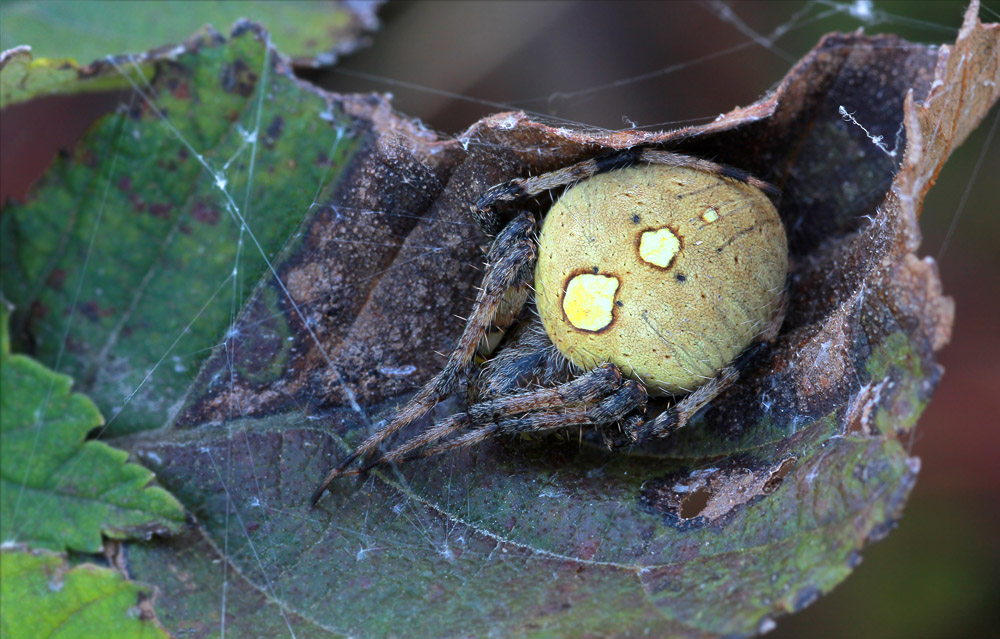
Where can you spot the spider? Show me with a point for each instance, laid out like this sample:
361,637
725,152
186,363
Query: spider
654,273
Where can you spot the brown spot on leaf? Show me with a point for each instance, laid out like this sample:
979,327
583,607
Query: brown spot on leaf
238,78
56,279
205,212
39,311
274,130
180,90
715,492
160,209
93,311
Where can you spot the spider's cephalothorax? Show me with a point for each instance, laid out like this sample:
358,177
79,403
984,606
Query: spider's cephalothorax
652,274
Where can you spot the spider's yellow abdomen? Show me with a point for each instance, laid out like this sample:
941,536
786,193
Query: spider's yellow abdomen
667,272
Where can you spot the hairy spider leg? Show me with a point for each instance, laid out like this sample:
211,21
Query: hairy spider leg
509,266
601,383
628,397
483,211
677,416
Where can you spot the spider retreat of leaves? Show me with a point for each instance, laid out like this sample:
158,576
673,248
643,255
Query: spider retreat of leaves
655,273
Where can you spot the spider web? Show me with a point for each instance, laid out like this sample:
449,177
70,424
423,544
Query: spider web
243,409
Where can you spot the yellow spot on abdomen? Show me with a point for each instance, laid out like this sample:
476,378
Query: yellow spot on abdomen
659,247
710,215
589,301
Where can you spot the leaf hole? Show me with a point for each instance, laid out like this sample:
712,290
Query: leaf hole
778,476
695,503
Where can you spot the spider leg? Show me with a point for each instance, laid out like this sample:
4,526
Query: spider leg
656,156
509,269
628,397
587,388
527,358
484,213
677,416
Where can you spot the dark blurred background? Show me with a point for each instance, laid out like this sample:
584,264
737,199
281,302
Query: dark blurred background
663,65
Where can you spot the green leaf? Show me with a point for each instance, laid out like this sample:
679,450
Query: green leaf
23,78
56,490
165,230
200,594
87,30
44,598
574,541
71,41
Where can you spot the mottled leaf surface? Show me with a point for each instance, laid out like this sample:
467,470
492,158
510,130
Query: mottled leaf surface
137,249
759,507
45,598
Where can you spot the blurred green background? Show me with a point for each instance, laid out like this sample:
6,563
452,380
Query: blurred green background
662,65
